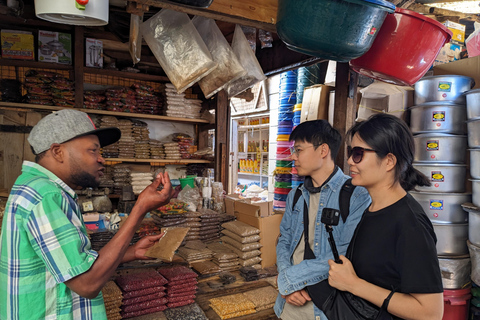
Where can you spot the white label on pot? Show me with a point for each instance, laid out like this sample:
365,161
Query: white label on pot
436,204
437,176
438,116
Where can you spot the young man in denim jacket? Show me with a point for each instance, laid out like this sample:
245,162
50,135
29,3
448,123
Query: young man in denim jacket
314,152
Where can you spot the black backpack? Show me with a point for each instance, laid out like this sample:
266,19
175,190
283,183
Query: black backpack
343,200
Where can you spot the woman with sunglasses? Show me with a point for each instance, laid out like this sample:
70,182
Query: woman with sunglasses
394,246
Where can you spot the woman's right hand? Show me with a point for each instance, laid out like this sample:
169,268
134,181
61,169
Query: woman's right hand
342,276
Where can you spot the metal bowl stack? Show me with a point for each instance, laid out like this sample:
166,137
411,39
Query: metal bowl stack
438,123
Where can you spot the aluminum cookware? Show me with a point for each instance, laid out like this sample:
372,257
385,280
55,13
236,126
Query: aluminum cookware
444,177
473,103
473,223
455,271
443,207
473,128
443,88
451,238
475,192
440,148
438,117
475,163
475,259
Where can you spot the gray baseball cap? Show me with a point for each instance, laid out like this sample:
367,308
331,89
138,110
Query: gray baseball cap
67,124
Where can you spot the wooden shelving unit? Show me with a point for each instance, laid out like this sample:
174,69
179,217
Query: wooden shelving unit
103,112
157,161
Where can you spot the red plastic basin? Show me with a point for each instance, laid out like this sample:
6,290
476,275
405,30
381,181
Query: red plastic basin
404,50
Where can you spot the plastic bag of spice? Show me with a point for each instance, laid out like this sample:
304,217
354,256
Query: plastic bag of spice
178,48
229,68
165,248
135,42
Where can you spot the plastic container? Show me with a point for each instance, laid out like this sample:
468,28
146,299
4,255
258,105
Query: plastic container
456,304
288,99
284,164
331,29
283,137
279,204
280,197
188,181
404,49
282,184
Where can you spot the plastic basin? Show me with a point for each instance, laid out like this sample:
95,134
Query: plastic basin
404,50
331,29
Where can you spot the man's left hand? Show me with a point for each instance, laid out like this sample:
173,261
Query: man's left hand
141,247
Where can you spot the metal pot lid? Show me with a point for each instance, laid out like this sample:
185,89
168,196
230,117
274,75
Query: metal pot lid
470,207
429,164
439,134
445,76
444,103
472,91
55,44
473,119
441,224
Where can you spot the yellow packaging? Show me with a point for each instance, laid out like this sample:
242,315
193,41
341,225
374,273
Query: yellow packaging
458,31
17,45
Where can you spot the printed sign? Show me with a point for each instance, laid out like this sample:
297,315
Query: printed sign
444,86
437,176
436,204
432,145
438,116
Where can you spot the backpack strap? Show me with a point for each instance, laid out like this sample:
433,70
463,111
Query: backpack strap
344,199
297,196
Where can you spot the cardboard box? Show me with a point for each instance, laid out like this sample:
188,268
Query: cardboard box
315,102
230,203
93,53
466,67
256,209
458,31
54,47
386,98
17,45
269,231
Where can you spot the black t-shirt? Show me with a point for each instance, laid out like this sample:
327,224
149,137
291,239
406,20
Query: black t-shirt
395,246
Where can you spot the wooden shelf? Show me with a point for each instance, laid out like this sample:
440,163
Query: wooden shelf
253,174
158,161
4,193
35,64
103,112
124,74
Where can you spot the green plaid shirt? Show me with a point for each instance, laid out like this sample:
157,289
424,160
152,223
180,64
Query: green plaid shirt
43,244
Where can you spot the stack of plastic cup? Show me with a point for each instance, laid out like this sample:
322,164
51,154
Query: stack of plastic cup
296,179
297,112
287,100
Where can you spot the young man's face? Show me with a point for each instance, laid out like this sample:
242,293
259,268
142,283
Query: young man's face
307,158
85,161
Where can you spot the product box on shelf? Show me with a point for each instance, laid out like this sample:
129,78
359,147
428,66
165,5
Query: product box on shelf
381,97
450,52
54,47
466,67
17,45
315,102
269,232
255,209
93,53
458,30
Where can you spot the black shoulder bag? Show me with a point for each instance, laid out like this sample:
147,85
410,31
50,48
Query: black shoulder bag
336,304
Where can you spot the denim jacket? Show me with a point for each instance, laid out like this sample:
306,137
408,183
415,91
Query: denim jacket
293,278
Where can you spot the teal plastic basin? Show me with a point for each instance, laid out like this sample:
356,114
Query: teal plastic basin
338,30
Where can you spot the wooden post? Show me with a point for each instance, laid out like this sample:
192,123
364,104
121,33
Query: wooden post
222,131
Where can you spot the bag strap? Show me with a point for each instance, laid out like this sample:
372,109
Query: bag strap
298,194
387,300
344,199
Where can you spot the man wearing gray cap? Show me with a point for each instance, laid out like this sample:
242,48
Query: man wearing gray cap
47,267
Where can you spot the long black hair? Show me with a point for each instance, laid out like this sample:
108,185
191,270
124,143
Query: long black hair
386,134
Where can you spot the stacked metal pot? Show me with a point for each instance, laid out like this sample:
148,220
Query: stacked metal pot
438,122
473,126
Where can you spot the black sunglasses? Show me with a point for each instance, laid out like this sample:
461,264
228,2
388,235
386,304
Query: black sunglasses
357,153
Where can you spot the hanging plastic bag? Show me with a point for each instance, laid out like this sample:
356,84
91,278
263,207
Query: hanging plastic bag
135,43
178,48
229,68
247,58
